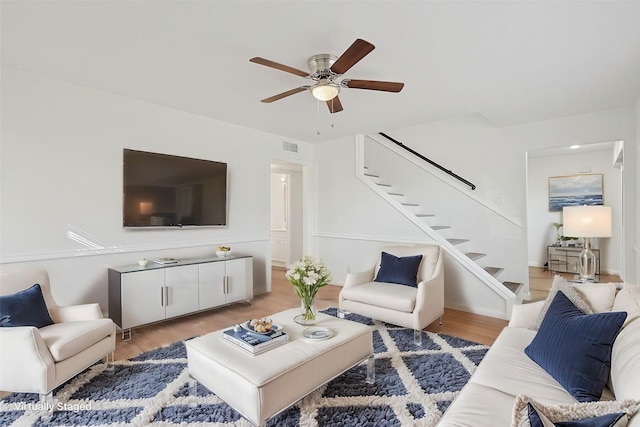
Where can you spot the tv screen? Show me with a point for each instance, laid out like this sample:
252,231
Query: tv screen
162,190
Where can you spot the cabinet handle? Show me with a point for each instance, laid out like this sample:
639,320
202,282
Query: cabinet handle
162,296
166,294
226,284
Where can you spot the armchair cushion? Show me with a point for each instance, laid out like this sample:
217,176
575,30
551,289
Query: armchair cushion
400,270
380,294
70,338
24,308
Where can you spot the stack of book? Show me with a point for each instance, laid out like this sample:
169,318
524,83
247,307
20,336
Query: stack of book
253,342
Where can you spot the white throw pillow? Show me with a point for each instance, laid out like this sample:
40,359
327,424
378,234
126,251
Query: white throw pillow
571,411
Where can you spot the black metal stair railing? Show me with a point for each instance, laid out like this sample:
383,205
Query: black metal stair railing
431,162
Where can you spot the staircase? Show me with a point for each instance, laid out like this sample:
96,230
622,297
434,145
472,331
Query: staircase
458,247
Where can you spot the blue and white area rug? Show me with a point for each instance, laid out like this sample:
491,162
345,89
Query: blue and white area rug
413,387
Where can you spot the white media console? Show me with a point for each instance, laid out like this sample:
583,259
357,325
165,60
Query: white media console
141,295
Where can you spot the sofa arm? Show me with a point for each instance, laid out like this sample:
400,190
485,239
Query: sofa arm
25,362
354,279
73,313
525,315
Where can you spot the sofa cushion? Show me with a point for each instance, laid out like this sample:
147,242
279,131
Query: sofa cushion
575,348
599,296
382,294
70,338
24,308
505,367
529,412
625,362
400,270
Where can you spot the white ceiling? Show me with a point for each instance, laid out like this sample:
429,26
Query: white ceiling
512,62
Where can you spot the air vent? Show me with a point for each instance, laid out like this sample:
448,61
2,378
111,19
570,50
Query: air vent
289,146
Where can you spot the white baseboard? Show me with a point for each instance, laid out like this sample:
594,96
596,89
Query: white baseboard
476,310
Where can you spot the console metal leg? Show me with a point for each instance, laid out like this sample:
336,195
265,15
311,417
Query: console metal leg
441,320
193,391
126,334
417,337
371,370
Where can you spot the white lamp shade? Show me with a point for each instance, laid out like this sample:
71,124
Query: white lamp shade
586,221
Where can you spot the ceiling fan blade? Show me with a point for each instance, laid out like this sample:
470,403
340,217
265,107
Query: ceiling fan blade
285,94
358,50
277,66
335,106
373,85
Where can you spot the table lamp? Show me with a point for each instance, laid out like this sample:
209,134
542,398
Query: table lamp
587,222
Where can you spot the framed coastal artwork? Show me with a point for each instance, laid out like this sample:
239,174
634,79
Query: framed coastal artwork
575,190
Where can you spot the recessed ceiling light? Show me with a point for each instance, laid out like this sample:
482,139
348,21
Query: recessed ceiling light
574,147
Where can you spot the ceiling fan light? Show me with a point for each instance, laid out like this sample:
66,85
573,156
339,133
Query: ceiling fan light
325,92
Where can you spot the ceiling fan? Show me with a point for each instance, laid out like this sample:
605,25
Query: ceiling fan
325,70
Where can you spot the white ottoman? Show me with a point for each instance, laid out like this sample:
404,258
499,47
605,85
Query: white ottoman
260,386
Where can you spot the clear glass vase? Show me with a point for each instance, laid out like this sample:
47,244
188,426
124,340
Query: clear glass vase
309,312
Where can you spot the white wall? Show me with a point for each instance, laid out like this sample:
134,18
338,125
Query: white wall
637,199
352,220
61,170
540,224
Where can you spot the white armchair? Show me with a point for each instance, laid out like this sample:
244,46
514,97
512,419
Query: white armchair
50,355
408,306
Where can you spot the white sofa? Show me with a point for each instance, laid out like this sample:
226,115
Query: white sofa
411,307
51,355
506,371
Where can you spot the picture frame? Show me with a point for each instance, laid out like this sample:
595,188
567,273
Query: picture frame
575,190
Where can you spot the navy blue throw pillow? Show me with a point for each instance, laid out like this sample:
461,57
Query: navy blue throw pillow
575,348
607,420
403,271
24,308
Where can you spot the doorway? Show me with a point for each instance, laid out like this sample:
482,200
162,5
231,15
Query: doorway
600,158
287,213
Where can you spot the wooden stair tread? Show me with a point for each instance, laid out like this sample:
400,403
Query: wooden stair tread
513,286
494,271
475,255
457,241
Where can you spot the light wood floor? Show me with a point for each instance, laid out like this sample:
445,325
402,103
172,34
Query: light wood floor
461,324
465,325
540,281
470,326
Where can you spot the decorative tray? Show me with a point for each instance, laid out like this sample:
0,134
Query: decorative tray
317,333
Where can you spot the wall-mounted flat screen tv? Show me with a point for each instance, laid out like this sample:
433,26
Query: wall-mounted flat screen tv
162,190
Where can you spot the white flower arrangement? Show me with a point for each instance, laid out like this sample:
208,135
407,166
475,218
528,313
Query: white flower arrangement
307,276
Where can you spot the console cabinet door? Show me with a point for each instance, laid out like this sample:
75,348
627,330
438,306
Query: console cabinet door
181,290
142,298
239,279
211,289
